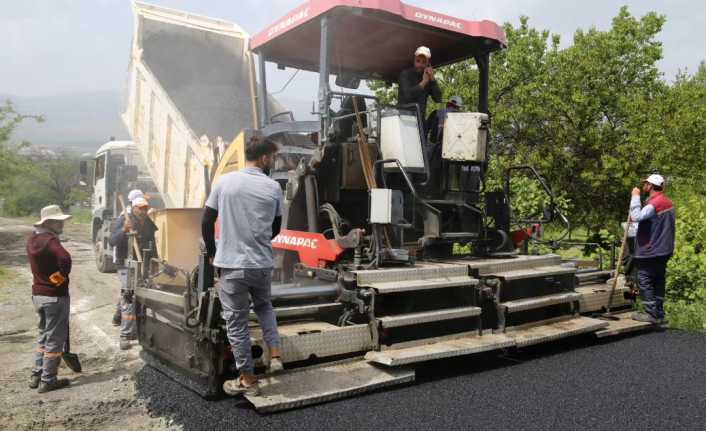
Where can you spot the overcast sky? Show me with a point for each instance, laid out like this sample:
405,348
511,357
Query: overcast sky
50,47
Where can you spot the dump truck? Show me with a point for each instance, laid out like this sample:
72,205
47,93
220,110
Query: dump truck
377,268
191,92
116,169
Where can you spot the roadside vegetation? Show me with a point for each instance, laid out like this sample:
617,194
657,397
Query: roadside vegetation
30,180
595,117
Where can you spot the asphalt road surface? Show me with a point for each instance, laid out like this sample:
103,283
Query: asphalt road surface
652,381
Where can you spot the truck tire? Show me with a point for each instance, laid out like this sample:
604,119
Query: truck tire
103,262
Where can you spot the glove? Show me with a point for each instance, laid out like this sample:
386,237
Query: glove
57,279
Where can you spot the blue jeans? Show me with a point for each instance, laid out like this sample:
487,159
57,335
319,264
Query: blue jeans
236,287
651,276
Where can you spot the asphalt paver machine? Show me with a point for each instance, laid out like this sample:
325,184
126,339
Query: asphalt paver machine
385,259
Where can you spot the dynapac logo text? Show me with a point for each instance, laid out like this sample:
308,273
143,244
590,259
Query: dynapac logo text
439,20
288,22
295,241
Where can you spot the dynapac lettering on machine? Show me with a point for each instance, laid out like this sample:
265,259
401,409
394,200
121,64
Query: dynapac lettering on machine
439,20
312,243
314,248
286,23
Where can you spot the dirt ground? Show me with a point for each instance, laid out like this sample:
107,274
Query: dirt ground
102,396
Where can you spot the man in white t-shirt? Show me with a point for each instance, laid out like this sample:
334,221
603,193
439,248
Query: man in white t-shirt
248,205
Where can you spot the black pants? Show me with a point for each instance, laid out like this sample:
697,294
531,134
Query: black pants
651,275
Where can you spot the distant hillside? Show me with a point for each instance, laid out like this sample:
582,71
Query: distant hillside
82,122
73,122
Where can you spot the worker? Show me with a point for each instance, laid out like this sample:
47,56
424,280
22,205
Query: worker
434,127
51,265
436,120
248,205
137,223
654,246
418,83
121,269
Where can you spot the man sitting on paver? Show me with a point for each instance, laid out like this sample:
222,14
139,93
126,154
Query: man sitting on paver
654,246
248,204
51,265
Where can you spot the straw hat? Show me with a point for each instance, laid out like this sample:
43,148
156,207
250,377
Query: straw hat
52,212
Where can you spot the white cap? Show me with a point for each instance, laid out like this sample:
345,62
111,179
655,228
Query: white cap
423,50
656,180
456,100
140,202
52,212
134,194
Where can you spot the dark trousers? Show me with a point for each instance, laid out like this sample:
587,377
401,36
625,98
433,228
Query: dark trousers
651,276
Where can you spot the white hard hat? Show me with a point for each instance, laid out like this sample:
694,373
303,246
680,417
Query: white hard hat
140,202
52,212
656,180
456,100
134,194
423,50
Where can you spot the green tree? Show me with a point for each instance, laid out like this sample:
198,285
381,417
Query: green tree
681,153
583,115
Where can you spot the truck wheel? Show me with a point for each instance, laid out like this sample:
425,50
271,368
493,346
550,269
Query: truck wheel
103,262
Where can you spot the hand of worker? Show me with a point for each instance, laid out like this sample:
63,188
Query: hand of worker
429,72
636,191
127,226
57,279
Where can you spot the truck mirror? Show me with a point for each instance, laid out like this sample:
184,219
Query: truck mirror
348,81
127,174
83,169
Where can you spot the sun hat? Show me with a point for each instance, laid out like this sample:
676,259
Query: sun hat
52,212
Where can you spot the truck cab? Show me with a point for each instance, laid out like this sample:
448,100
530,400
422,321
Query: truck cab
117,169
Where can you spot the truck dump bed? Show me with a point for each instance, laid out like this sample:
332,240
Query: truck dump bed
191,90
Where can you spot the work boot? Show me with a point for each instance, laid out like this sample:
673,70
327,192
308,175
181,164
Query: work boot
124,343
117,319
34,381
641,316
239,387
276,365
52,386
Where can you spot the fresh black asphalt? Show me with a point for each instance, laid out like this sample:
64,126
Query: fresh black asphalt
651,381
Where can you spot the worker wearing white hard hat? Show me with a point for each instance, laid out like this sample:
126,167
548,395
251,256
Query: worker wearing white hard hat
418,83
654,245
136,223
134,194
455,102
121,271
437,119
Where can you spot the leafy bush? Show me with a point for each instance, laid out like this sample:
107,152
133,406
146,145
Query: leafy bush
81,215
686,315
686,280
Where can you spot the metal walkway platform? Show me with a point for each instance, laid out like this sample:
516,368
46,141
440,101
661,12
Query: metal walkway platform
470,344
324,383
443,349
625,325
